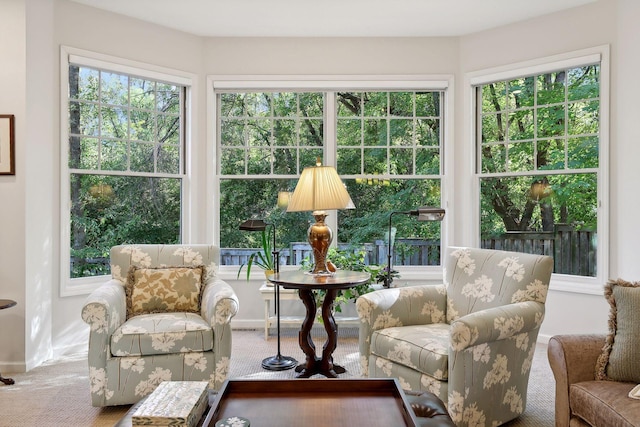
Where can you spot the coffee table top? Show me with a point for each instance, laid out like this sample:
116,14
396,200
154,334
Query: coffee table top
297,279
313,402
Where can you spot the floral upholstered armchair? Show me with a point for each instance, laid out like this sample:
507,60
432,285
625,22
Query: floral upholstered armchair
470,340
163,316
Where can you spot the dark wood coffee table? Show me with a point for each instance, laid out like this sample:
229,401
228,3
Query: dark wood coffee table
313,402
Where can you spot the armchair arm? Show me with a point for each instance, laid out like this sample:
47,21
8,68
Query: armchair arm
104,311
572,359
219,305
411,305
495,324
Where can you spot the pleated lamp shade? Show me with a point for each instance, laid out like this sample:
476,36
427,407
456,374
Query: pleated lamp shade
319,188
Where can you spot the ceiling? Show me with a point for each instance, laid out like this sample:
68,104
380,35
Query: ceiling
333,18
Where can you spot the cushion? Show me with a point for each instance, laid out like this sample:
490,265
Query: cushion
424,348
164,289
620,358
150,334
604,403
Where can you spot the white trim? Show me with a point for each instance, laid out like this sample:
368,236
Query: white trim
324,82
125,66
212,227
447,164
539,66
598,54
83,286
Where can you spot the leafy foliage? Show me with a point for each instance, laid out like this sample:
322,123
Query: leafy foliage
263,259
273,136
547,125
346,259
125,150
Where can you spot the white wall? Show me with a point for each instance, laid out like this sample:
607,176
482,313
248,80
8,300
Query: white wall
13,188
29,234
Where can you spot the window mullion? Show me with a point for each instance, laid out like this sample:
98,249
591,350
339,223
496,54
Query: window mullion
330,152
330,130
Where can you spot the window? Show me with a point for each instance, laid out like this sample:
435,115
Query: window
125,164
540,150
386,144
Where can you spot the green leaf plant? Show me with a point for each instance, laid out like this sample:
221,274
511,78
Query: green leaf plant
262,258
347,259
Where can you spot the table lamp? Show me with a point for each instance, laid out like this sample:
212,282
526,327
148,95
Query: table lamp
319,189
424,213
277,362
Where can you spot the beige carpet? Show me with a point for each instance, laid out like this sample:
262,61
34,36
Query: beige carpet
56,394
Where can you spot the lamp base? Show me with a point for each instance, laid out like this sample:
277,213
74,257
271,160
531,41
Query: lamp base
279,363
320,237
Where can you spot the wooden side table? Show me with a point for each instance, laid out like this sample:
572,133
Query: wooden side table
6,303
306,283
266,291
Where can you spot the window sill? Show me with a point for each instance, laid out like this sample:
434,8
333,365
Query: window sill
575,284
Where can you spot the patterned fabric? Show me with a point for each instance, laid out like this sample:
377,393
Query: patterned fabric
164,289
167,333
470,341
620,359
129,358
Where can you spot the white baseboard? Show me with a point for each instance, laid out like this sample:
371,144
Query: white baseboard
7,368
544,339
70,349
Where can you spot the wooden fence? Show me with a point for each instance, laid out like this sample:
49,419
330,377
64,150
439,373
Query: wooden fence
405,251
573,251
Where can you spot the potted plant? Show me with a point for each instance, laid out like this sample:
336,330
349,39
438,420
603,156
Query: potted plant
263,258
348,259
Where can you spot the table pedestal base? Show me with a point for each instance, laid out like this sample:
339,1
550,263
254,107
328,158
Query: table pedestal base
7,381
317,369
315,365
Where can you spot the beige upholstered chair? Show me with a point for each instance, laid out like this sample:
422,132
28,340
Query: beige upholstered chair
470,340
186,335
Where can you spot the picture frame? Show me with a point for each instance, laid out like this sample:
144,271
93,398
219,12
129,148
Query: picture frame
7,145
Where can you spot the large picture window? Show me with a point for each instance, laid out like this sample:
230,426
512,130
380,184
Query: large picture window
385,144
125,163
539,164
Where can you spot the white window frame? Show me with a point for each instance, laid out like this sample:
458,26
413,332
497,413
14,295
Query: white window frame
85,285
559,282
217,83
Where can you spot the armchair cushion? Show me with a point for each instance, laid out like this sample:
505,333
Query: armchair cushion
604,403
150,334
424,348
620,359
164,289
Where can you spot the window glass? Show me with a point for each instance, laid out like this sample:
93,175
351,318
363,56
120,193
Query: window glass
125,164
387,147
538,159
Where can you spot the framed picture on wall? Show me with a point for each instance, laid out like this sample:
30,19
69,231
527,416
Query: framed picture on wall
7,137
